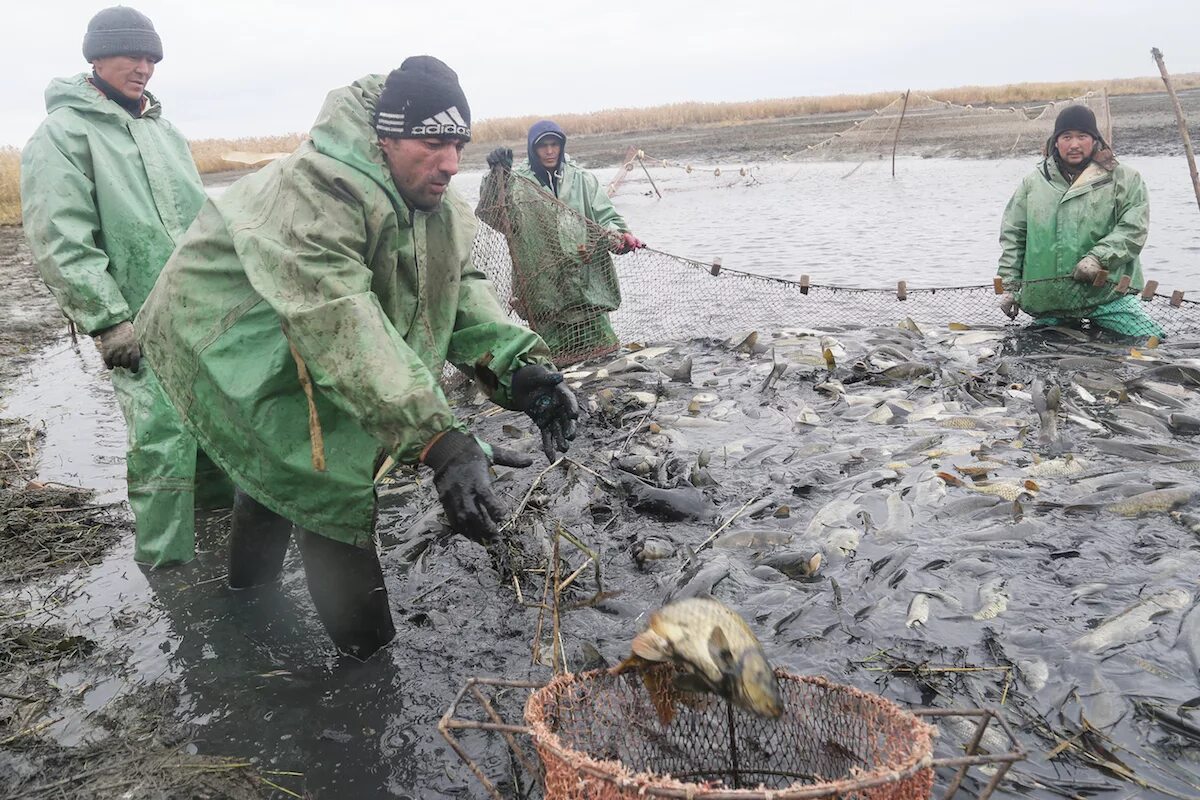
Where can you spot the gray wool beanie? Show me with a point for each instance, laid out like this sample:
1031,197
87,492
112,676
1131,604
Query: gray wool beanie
121,31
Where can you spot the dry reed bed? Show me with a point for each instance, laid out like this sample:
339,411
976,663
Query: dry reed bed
208,152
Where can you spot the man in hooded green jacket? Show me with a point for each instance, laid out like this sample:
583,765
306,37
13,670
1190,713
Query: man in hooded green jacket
1078,213
303,323
107,188
564,279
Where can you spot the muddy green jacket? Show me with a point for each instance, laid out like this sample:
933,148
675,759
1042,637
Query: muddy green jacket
318,251
552,281
104,198
1049,226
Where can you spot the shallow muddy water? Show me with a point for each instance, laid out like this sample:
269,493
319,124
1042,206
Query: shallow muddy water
1013,591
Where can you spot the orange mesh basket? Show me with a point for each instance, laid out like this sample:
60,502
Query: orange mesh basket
599,737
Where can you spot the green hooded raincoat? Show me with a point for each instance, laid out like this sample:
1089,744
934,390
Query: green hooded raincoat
105,196
318,251
1049,225
565,295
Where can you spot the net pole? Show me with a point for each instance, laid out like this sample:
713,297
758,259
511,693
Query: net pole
1181,120
735,770
896,141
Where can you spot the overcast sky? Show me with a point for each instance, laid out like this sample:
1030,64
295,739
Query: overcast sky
244,68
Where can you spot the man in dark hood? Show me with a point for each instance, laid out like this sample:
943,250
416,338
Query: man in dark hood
1078,217
565,284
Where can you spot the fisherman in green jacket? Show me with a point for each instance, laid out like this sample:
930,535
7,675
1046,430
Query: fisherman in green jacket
564,279
1077,214
107,188
302,326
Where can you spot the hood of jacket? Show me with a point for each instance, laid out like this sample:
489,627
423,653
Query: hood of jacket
539,130
345,130
79,94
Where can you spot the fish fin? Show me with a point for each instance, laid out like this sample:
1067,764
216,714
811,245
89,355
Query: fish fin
649,645
627,664
722,656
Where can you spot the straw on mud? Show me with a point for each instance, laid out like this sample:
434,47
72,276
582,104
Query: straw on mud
529,493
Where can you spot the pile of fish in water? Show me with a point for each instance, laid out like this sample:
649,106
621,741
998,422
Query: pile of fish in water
950,516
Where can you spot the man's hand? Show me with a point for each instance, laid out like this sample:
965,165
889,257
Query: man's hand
627,243
464,485
500,157
1008,304
1087,269
541,394
119,347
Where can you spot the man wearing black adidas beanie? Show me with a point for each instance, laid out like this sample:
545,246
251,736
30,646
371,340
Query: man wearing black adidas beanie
302,326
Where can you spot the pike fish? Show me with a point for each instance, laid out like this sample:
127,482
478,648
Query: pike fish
717,650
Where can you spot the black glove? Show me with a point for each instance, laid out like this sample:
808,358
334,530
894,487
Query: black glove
464,485
541,394
500,157
119,346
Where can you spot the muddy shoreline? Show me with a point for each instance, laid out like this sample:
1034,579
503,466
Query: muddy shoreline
1143,125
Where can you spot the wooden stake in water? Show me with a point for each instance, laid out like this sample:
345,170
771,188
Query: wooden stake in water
1181,120
652,185
896,141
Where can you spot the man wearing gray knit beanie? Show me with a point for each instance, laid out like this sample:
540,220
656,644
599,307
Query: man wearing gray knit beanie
108,187
302,326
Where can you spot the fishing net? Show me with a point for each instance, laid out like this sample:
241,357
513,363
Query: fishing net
599,737
911,125
557,272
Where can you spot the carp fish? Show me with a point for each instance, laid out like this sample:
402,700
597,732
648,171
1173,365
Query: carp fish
717,651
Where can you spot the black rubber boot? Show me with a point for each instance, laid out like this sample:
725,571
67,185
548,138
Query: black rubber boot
258,540
346,585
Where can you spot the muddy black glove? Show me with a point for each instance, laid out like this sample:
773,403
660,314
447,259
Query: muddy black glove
1087,269
464,485
541,394
500,157
1008,304
119,346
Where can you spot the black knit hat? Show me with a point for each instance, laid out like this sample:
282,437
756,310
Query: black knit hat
422,99
121,31
1076,118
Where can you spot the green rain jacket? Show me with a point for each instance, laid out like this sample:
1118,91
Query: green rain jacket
319,250
551,280
1049,225
99,245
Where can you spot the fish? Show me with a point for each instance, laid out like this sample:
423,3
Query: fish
1046,403
682,373
1151,501
993,600
1130,623
753,538
1189,636
918,611
1034,671
793,564
1065,467
672,505
906,371
713,644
